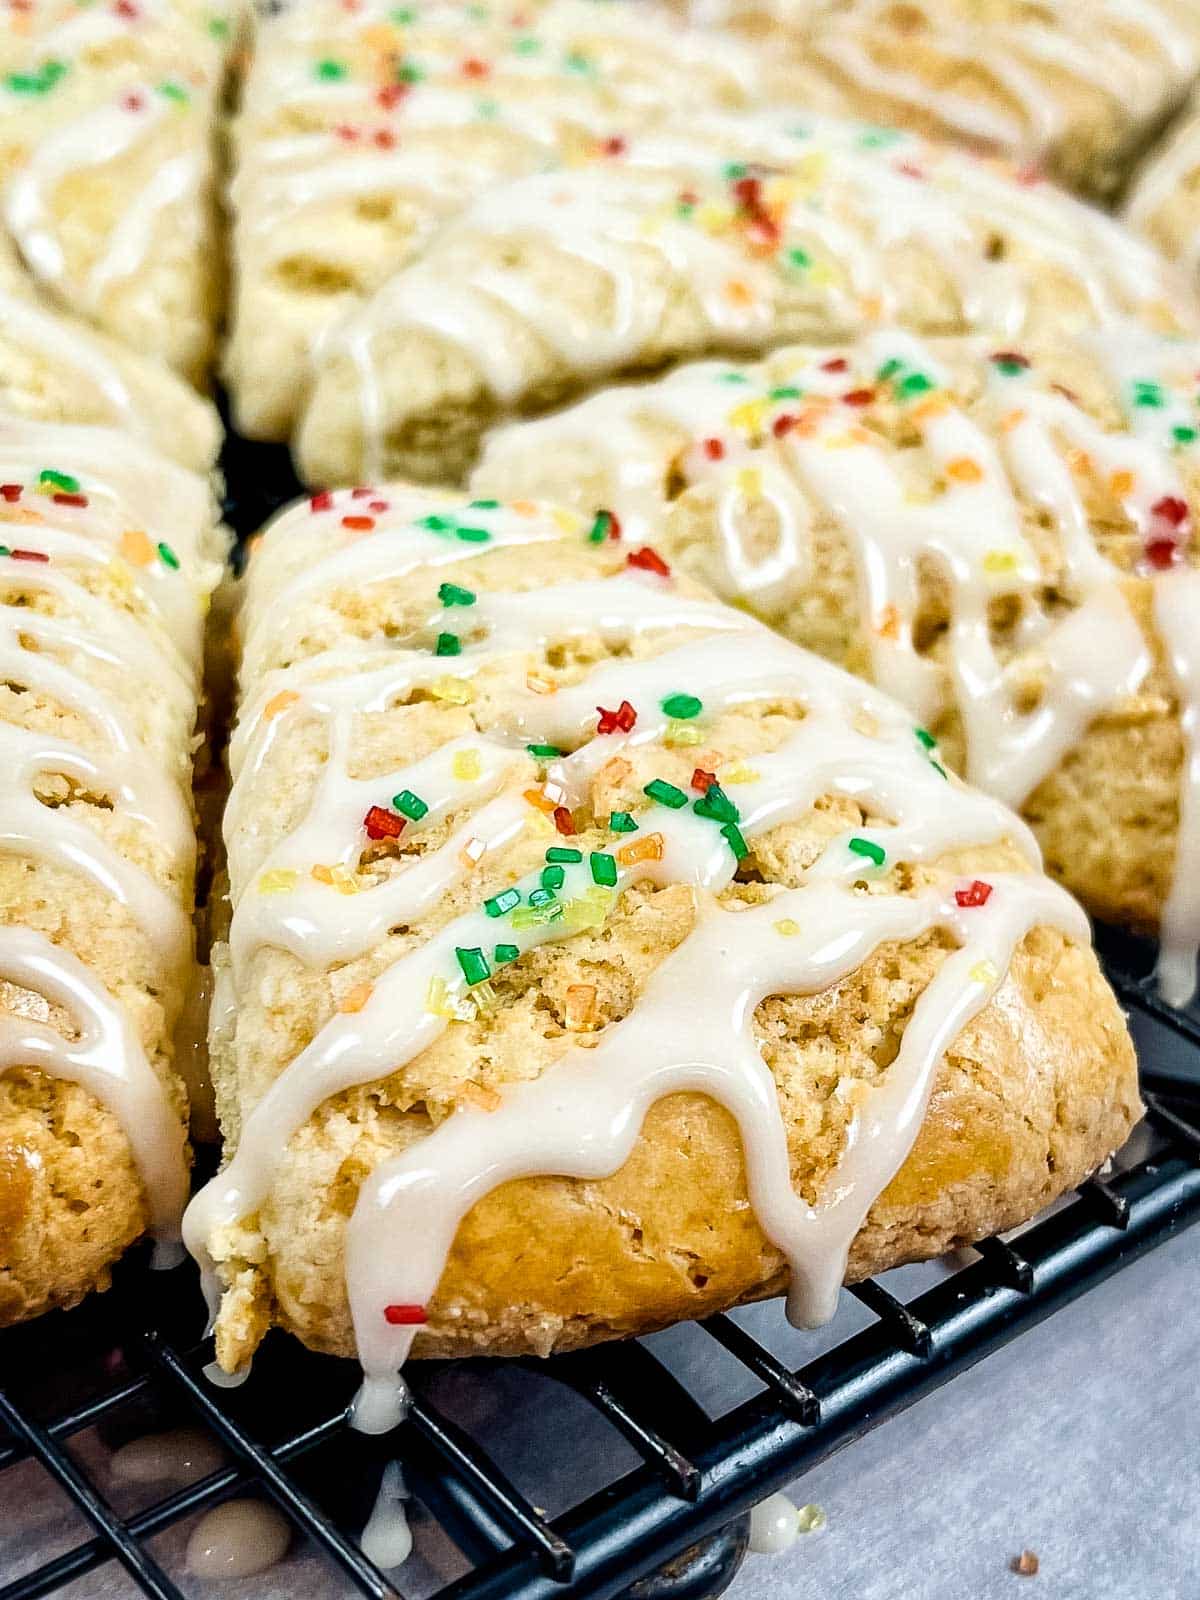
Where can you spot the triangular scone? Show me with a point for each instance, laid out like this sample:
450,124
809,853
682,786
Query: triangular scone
361,130
1164,199
546,867
738,234
108,554
1077,88
54,368
107,117
1004,537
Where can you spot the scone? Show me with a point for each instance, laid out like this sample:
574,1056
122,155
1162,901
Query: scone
107,556
361,130
599,958
1001,536
1079,88
54,368
1164,200
739,234
107,117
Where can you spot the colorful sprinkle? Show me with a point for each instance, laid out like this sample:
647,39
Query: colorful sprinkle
507,900
647,560
279,880
405,1316
665,793
451,595
867,847
683,706
621,720
621,822
787,926
167,556
544,752
607,525
504,953
381,824
604,868
466,765
733,837
410,805
473,963
648,848
564,821
977,893
448,644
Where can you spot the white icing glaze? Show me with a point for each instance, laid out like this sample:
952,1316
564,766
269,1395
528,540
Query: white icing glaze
1164,177
1177,613
583,1115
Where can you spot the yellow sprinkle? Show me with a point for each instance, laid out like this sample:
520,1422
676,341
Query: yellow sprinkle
437,1000
590,909
680,733
983,972
484,996
871,307
343,880
567,521
964,469
136,547
278,881
322,873
1121,483
840,441
454,690
739,773
749,482
1001,561
712,218
466,765
787,927
822,274
748,416
280,702
357,997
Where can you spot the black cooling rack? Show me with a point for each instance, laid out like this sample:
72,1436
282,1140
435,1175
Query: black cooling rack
669,1521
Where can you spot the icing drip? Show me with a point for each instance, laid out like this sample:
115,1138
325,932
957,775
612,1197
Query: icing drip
791,435
583,1115
387,1539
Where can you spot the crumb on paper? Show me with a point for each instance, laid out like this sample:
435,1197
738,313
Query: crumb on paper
1025,1565
811,1519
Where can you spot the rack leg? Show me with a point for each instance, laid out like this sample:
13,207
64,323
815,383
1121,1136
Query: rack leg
701,1572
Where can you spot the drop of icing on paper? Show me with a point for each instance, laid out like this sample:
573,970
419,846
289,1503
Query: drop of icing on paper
181,1455
774,1526
238,1540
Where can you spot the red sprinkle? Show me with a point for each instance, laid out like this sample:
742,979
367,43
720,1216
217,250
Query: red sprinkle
615,146
359,524
714,449
1171,509
648,560
688,197
322,501
1012,357
564,821
858,397
749,192
70,499
405,1316
125,8
10,491
361,493
384,138
472,67
1160,553
381,824
348,132
134,102
621,720
390,96
909,170
783,424
703,780
975,894
838,364
28,555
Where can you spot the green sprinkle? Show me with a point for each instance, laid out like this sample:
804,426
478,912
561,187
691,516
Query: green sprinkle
733,836
1183,434
166,555
489,110
1148,394
622,822
174,91
559,852
506,900
940,770
4,550
733,170
666,794
402,16
544,752
40,82
684,706
473,535
733,377
1010,369
889,369
436,524
448,644
543,896
576,61
409,805
451,595
878,138
331,71
60,480
409,72
786,391
795,257
599,529
867,847
925,738
552,877
715,803
218,27
504,953
604,868
527,46
915,383
483,505
474,964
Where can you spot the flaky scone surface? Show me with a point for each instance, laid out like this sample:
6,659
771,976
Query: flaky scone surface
1033,1092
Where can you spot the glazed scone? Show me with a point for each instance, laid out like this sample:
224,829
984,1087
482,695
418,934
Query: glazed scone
362,130
108,553
549,874
1004,537
1077,88
54,368
107,119
1164,199
739,234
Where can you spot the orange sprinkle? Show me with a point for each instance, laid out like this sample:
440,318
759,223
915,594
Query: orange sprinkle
1121,483
135,546
280,702
615,771
580,1008
964,469
1079,460
358,524
478,1095
739,293
935,406
1011,420
322,873
524,508
649,848
807,422
888,626
537,799
472,853
357,998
